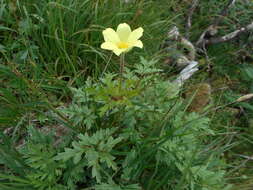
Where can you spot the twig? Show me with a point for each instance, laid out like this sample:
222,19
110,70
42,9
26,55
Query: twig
212,27
245,156
188,62
247,159
229,36
189,17
240,99
186,73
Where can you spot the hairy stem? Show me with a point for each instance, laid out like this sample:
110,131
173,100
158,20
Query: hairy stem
122,65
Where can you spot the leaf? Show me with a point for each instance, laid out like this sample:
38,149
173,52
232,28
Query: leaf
77,157
96,174
7,29
109,160
105,186
69,153
2,48
14,178
248,70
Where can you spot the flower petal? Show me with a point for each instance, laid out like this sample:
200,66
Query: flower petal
110,35
108,45
138,43
135,35
123,31
118,51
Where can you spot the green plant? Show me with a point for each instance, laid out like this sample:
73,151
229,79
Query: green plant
52,44
48,46
138,137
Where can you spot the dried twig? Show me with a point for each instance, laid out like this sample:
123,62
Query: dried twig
189,17
247,159
174,38
187,72
229,36
212,28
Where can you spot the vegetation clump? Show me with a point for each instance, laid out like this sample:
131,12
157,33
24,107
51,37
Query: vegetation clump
173,114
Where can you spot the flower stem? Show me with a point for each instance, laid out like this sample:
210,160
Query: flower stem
122,65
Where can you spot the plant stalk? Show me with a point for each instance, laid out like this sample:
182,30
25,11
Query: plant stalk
122,65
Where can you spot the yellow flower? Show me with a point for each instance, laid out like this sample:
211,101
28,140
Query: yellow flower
122,40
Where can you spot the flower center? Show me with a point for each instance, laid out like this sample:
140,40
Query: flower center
122,45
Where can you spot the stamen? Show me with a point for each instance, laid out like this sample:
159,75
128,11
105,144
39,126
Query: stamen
122,45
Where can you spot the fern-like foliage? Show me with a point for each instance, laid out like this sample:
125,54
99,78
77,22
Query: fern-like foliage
93,150
134,134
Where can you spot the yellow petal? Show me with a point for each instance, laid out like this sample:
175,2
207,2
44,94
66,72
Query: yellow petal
138,43
110,35
123,31
118,51
135,35
108,45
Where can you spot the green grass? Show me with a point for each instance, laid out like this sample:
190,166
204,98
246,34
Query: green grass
48,46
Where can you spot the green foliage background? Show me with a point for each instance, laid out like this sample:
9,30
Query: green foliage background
65,122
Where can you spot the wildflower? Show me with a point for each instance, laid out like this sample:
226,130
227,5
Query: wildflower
122,40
